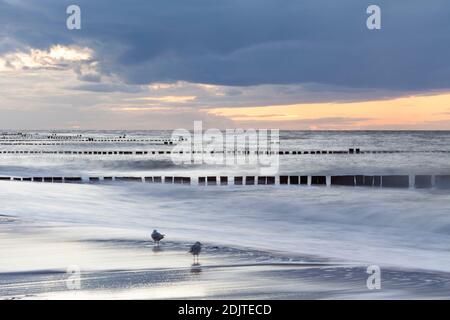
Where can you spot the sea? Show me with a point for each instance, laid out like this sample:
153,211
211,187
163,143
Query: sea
398,229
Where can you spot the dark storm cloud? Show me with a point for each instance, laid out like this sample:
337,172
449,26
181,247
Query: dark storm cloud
248,42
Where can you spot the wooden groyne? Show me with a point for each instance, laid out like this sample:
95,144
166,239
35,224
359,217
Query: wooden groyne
234,152
376,181
55,139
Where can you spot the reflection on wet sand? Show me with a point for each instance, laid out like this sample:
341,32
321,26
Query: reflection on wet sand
196,268
157,249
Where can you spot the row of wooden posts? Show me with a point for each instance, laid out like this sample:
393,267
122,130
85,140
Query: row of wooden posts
39,143
80,139
244,152
386,181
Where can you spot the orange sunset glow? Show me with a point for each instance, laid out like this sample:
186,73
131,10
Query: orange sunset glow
419,112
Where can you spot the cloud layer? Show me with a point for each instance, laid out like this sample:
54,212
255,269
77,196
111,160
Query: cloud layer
250,42
178,58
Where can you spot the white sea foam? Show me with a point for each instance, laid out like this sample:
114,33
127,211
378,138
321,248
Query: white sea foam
408,229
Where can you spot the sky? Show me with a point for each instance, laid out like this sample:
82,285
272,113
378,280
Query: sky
284,64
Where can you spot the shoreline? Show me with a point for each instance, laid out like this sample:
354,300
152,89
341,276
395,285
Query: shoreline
121,268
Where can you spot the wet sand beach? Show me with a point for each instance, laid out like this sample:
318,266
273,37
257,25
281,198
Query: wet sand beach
37,258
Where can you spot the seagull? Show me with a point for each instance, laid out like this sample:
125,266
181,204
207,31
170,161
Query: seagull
195,250
157,237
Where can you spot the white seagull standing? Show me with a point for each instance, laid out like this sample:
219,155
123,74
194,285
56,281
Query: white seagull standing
157,237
